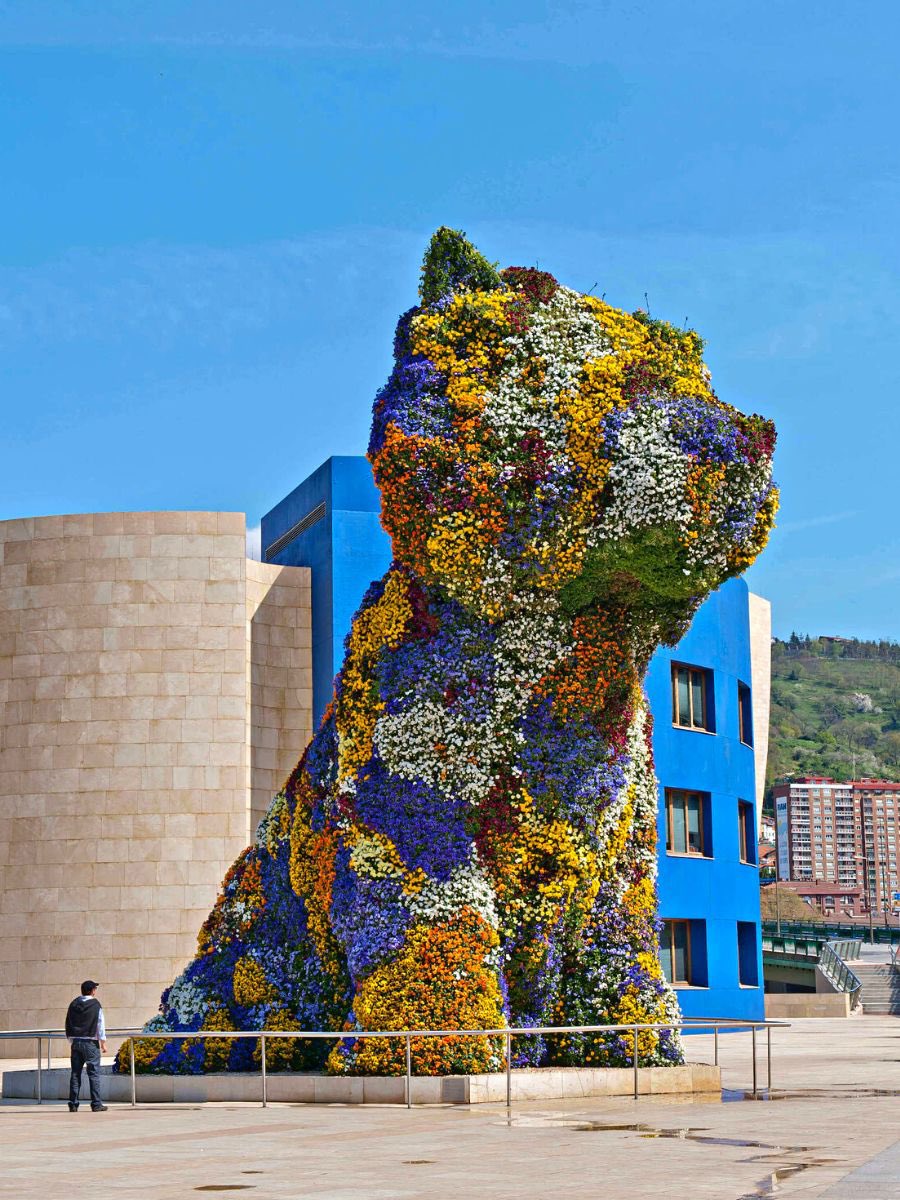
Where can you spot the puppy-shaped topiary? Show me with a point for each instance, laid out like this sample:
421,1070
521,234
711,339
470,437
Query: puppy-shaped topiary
469,841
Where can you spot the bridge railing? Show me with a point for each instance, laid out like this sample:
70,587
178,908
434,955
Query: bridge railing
827,931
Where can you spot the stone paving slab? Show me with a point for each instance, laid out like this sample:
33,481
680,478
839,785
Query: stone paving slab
832,1126
878,1179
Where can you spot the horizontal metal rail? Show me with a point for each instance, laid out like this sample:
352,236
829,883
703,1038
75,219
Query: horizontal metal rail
692,1024
829,930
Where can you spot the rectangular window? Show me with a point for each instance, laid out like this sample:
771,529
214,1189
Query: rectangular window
691,698
675,951
682,952
746,832
748,960
745,715
687,823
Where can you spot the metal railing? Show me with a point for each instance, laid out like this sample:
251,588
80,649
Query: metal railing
827,931
832,964
692,1025
793,945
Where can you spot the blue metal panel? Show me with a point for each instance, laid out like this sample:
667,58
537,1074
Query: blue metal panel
348,549
362,553
345,551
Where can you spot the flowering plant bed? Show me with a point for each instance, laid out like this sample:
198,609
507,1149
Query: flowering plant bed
469,841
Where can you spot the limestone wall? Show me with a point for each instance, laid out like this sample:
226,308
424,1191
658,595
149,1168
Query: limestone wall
279,677
153,685
761,685
794,1005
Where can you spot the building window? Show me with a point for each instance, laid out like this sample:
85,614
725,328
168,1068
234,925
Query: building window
746,832
745,715
682,952
687,823
675,951
692,698
748,960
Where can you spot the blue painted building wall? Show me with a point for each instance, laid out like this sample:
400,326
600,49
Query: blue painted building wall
347,549
718,890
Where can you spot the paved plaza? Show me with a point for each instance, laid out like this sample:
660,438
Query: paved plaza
829,1132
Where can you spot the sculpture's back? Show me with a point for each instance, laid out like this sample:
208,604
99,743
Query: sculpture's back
470,839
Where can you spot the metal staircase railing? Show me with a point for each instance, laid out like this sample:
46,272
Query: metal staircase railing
833,965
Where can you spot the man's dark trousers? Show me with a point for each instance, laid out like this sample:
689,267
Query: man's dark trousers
85,1053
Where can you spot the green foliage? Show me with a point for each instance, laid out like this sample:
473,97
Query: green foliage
835,709
789,906
452,263
653,559
664,333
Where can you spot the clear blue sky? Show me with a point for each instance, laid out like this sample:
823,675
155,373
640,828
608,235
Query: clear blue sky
213,212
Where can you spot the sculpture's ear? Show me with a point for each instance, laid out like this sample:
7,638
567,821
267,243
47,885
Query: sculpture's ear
452,264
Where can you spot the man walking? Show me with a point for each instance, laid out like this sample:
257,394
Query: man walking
86,1030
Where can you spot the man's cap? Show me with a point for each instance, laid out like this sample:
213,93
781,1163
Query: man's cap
88,986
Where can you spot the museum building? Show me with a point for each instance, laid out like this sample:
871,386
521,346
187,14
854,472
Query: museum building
155,689
157,686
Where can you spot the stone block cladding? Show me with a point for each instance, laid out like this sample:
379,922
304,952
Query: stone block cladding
760,614
279,677
155,689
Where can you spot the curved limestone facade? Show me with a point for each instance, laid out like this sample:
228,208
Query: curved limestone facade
155,687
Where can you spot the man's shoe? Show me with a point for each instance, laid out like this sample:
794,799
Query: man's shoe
73,1107
98,1108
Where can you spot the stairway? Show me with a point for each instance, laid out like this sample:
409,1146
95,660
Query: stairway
880,991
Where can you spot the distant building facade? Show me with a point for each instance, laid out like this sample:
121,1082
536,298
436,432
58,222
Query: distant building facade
709,699
156,690
832,900
845,834
816,831
878,805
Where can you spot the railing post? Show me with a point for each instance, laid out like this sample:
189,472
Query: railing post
40,1087
635,1057
262,1059
408,1072
769,1060
508,1069
131,1068
715,1045
753,1050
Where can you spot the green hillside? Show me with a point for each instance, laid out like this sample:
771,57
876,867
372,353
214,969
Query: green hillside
835,709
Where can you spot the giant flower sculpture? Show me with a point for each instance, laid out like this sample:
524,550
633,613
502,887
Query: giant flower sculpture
469,842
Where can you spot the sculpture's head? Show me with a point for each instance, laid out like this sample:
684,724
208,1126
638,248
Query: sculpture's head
531,438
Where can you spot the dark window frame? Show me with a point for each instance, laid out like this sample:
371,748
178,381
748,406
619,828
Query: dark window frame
747,845
672,797
748,965
667,941
695,675
745,714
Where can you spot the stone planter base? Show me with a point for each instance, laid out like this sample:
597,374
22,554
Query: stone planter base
541,1083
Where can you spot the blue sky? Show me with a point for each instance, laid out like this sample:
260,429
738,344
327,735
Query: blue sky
212,214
